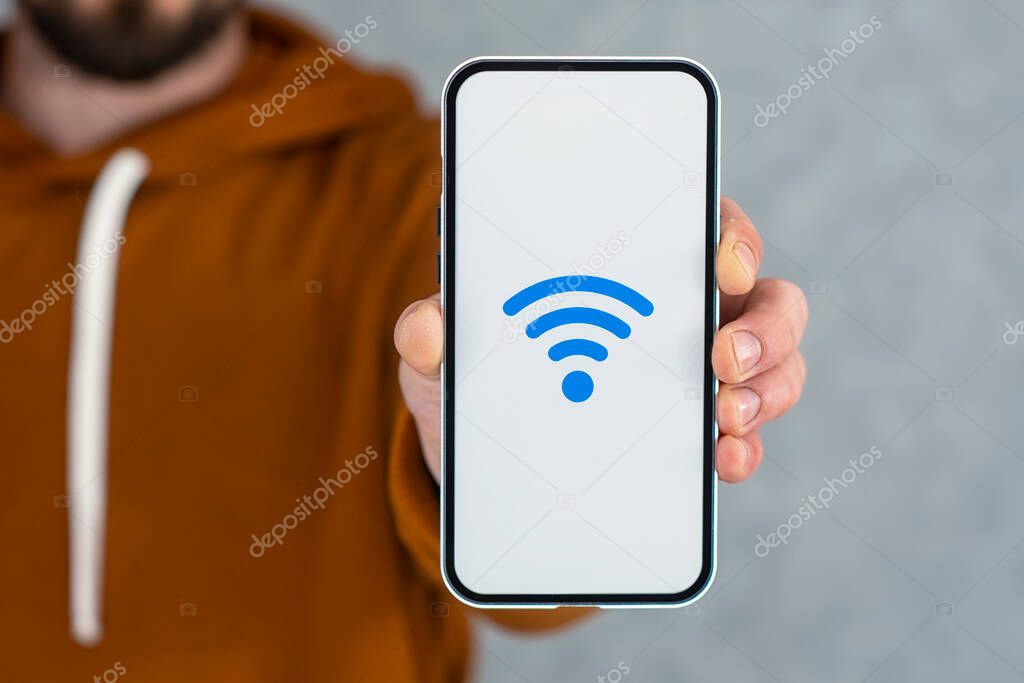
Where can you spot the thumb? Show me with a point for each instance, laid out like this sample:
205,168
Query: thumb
419,336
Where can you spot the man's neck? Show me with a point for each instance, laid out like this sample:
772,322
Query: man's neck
73,112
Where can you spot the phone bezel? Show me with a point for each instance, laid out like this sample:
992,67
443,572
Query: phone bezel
710,431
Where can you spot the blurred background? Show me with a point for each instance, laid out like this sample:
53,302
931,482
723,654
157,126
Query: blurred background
890,191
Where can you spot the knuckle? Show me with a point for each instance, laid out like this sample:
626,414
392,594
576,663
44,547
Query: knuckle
791,293
796,385
797,303
785,391
792,334
783,290
790,327
802,307
802,363
773,400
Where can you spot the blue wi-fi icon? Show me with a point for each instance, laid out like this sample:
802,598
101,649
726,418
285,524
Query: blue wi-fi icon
578,386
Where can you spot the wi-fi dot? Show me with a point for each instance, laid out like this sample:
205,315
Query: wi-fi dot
577,386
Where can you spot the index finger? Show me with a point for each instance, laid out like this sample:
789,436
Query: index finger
739,250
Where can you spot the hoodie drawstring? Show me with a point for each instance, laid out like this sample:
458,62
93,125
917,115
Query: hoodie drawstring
88,391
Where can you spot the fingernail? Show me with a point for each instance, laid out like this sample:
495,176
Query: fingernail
747,349
748,402
745,255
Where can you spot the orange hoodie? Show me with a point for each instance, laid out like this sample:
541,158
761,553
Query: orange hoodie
206,472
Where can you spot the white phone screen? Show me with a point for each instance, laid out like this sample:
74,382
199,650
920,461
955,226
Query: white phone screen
577,257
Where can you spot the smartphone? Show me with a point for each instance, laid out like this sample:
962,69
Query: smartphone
579,225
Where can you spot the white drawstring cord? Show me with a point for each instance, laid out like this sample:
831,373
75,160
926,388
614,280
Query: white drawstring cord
92,331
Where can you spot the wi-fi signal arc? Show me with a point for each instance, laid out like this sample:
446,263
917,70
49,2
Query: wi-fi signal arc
586,316
577,347
578,386
582,283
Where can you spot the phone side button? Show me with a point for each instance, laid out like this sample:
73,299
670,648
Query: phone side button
438,220
438,267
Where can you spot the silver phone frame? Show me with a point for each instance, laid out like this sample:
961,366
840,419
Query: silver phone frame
504,604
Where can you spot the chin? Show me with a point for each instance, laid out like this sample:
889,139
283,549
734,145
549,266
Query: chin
127,40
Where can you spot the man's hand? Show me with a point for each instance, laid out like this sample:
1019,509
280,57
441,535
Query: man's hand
755,353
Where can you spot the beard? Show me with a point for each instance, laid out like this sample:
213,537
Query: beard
128,40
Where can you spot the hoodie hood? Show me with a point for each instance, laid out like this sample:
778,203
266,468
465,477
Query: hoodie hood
288,73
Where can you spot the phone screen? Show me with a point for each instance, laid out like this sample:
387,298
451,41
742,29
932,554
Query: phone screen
580,224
